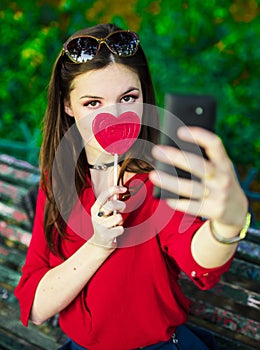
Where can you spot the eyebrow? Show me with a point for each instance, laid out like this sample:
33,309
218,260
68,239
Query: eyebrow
130,90
90,96
101,98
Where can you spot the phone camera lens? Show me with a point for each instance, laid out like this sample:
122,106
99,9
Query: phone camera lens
199,110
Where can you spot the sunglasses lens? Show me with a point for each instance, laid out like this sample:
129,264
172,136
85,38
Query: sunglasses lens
123,43
82,49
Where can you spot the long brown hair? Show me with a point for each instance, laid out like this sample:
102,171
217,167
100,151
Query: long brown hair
57,123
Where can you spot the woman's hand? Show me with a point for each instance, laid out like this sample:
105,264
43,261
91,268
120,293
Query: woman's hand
218,196
106,218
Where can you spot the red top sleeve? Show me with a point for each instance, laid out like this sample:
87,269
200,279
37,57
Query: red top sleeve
36,264
176,242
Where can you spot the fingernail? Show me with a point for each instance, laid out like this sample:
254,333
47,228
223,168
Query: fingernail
183,131
157,151
153,176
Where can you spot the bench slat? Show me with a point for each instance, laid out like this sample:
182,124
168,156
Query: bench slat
18,176
244,269
227,339
18,163
14,215
15,336
226,318
10,193
254,235
229,296
14,234
8,277
249,251
12,257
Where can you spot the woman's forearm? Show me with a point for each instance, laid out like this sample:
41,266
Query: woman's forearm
60,285
207,251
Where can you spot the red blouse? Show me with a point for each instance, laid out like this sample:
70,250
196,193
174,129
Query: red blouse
134,299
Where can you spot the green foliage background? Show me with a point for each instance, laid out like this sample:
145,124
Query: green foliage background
196,47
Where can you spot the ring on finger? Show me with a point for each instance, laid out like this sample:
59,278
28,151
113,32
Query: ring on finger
100,213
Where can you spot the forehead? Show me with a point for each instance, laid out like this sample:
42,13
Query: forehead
113,77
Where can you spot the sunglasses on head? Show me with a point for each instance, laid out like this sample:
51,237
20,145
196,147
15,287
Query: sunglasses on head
84,48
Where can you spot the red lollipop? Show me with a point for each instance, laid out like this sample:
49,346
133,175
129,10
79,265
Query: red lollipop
116,134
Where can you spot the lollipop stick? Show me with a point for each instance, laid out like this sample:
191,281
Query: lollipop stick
115,175
115,168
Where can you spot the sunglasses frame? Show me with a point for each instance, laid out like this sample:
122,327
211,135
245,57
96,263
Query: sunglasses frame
99,41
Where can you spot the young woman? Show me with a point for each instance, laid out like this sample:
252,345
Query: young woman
106,258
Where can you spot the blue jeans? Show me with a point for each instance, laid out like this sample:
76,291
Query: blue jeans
184,338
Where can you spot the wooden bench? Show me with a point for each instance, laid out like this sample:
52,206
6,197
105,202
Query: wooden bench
16,178
230,309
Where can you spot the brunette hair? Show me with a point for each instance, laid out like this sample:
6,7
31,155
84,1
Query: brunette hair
57,123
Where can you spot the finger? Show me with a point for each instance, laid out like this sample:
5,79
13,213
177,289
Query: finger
202,208
210,205
180,186
186,205
113,205
104,196
117,231
108,238
112,221
211,142
192,163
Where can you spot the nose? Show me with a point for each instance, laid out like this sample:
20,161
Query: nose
116,109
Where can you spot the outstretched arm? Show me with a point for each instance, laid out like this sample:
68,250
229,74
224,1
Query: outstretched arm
218,197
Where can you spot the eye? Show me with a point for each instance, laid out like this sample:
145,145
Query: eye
92,104
129,98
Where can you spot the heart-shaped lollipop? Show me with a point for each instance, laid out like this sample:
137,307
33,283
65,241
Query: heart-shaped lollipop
116,134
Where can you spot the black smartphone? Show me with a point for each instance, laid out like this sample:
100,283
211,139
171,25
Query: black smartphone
180,110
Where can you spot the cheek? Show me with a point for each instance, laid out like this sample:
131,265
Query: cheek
84,125
139,111
136,108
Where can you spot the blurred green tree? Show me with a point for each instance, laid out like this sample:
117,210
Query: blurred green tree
193,47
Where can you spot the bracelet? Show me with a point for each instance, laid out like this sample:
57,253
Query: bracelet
103,246
238,238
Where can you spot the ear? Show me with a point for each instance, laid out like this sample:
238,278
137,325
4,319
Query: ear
67,108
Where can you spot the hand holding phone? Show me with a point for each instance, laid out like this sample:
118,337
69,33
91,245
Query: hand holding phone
184,110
